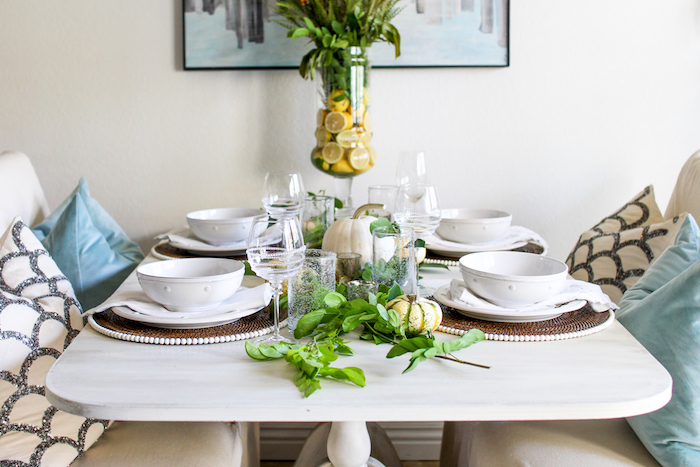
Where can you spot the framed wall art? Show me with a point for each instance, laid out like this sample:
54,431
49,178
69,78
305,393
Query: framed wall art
240,34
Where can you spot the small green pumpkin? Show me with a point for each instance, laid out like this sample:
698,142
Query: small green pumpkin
421,316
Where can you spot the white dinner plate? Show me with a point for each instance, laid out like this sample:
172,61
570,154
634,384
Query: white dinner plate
447,248
205,319
443,296
198,246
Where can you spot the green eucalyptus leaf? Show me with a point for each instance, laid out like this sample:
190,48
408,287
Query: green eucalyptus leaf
334,299
308,323
394,318
372,300
381,222
254,352
382,312
395,291
396,351
269,351
414,362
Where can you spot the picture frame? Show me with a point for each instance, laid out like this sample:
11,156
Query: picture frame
243,34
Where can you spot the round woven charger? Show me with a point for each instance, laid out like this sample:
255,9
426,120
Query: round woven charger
454,260
112,325
566,326
166,250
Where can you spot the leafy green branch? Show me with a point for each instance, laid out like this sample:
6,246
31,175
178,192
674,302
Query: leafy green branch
325,328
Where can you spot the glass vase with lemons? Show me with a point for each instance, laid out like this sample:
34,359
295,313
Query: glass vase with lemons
341,32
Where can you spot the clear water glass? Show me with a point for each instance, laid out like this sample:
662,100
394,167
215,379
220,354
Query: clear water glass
382,194
417,207
275,253
411,168
283,193
308,288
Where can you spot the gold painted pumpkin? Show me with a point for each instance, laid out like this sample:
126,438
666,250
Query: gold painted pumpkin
421,316
351,234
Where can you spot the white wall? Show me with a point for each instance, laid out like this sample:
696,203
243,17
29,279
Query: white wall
602,97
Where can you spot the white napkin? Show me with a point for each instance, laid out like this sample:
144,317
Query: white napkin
515,234
573,290
186,239
132,296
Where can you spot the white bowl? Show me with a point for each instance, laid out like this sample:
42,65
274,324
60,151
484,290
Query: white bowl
512,278
473,226
222,226
191,284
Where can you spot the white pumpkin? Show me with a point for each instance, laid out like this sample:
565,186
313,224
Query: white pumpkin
421,315
351,234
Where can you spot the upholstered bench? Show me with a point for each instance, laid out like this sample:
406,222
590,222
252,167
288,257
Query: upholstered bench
39,317
649,264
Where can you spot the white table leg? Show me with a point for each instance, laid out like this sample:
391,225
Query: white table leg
349,444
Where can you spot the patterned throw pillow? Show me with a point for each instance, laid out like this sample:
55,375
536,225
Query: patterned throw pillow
617,251
39,317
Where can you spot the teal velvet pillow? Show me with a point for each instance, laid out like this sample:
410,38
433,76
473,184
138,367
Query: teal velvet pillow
662,310
89,247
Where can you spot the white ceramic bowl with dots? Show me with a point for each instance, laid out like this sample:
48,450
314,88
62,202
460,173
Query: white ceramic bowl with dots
513,279
222,226
473,226
191,284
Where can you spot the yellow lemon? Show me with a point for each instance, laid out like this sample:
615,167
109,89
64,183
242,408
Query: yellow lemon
338,121
332,152
365,139
342,166
321,116
347,138
372,155
358,158
322,137
366,122
365,96
338,101
326,166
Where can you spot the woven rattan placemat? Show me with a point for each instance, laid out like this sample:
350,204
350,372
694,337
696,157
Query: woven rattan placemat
112,325
167,251
566,326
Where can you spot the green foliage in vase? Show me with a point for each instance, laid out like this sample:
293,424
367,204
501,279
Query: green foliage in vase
335,25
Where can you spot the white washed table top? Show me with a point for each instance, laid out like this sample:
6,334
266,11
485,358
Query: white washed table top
604,375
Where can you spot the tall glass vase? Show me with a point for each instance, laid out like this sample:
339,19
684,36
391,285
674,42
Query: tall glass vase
343,131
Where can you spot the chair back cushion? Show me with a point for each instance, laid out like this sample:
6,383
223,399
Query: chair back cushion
20,191
89,246
662,310
686,194
39,317
616,251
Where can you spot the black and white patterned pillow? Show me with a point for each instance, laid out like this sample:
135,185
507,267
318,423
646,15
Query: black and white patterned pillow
39,317
617,251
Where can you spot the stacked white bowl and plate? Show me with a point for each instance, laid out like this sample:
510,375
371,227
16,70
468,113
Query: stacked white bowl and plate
188,293
514,287
463,231
213,232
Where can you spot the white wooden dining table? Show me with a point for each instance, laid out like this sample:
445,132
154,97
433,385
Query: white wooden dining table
607,374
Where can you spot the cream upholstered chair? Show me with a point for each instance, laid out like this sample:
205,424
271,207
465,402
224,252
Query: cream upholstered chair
600,443
123,443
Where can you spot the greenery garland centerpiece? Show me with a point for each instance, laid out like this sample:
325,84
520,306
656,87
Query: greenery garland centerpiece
342,32
326,329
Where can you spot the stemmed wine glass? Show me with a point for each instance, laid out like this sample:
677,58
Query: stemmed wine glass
411,168
283,193
275,253
417,207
